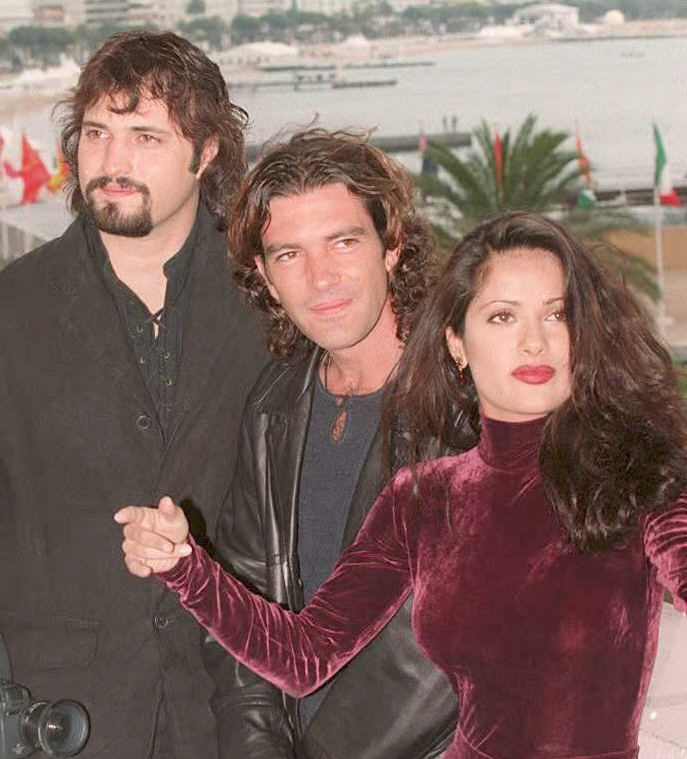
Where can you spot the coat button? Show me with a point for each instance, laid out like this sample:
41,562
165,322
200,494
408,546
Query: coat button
161,621
143,421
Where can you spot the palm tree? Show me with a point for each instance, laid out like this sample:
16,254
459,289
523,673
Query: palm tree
535,171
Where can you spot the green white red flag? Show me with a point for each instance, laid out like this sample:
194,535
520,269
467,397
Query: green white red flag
662,181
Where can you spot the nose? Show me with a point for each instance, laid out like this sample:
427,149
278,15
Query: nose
533,338
322,271
116,158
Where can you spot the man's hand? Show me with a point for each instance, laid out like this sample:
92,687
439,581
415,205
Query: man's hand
154,539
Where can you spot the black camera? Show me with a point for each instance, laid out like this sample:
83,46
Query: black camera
59,729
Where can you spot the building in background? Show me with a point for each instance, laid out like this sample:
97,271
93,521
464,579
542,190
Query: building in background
257,8
549,17
15,13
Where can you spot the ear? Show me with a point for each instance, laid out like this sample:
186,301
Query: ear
456,348
260,265
391,258
207,154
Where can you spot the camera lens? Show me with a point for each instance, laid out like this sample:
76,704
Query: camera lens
60,729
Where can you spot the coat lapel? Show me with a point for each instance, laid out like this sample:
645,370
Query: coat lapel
211,301
88,312
285,446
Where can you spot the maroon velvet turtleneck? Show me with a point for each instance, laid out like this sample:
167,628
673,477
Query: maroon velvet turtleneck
549,650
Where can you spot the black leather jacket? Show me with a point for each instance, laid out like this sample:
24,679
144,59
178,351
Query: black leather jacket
390,702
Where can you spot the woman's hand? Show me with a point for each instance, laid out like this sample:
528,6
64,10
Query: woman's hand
154,539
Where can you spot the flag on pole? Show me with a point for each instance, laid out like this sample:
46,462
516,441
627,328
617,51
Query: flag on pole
662,181
428,164
422,142
498,159
57,180
582,160
32,172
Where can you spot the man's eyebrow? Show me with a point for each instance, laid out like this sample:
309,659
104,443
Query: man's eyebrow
135,128
277,246
343,232
352,230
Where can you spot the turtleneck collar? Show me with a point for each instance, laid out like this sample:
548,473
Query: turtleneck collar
510,445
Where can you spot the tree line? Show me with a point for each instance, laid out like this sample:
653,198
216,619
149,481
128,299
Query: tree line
28,45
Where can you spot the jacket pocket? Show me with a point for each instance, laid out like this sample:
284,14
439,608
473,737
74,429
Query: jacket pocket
48,641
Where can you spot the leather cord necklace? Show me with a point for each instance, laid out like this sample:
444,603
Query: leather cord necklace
339,427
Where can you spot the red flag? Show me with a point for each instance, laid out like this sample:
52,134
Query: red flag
62,172
32,172
498,159
422,143
582,160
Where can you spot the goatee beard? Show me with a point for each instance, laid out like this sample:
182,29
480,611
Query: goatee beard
108,218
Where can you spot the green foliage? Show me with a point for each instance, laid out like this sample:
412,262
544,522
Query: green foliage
43,44
540,173
209,31
633,9
245,29
195,7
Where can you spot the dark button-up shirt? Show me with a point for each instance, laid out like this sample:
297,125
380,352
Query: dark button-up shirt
156,352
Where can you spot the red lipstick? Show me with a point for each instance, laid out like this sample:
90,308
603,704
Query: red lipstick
534,375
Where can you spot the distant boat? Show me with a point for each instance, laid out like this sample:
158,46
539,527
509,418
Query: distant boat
339,84
387,63
312,80
271,68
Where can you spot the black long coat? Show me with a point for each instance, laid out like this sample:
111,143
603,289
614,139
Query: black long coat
79,438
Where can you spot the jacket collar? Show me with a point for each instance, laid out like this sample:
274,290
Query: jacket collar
88,311
288,401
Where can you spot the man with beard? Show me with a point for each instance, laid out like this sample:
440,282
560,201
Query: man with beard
125,359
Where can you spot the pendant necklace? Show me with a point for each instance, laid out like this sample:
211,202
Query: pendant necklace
339,427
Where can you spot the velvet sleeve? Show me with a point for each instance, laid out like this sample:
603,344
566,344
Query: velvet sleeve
665,542
299,652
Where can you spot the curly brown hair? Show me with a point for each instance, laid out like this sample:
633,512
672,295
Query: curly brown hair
166,67
311,159
615,449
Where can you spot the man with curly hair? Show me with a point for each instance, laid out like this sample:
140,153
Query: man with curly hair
126,355
327,243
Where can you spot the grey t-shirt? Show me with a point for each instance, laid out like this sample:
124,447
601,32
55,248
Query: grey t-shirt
328,480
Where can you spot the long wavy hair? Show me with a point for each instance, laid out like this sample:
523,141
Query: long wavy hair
165,67
312,159
615,449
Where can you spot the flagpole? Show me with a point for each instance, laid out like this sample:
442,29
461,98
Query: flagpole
661,318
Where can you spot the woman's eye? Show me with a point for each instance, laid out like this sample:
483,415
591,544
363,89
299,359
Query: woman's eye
502,317
557,316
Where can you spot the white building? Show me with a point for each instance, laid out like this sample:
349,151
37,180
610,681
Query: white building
259,8
15,13
613,18
552,17
328,7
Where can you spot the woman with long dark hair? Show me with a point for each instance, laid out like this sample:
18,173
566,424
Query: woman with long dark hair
537,551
